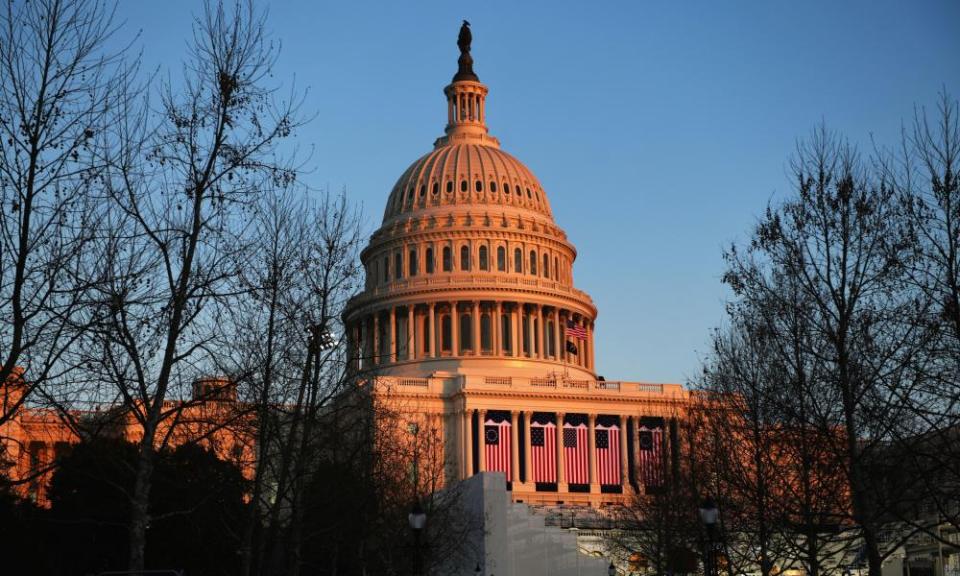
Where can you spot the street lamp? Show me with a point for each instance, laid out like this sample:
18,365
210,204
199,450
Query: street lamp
708,515
478,570
611,569
417,519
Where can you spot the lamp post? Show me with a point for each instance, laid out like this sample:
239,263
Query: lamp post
611,569
417,519
708,515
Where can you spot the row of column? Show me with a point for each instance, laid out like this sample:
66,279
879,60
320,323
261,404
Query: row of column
466,448
512,329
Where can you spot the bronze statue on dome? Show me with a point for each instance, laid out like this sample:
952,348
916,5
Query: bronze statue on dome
465,62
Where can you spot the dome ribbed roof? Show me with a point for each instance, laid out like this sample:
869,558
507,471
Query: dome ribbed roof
439,178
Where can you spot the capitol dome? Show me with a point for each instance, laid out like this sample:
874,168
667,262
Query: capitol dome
469,271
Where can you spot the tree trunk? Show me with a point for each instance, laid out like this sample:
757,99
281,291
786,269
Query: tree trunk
140,505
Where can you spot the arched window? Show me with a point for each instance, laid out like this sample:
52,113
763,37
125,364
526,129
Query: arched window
525,334
556,268
386,269
486,335
463,185
446,333
413,263
398,265
493,186
429,262
423,190
518,261
465,258
449,186
466,333
546,266
501,259
506,188
436,188
533,262
447,257
478,185
484,261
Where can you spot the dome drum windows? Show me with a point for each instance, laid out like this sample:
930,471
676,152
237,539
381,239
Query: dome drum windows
429,260
546,265
413,264
463,185
478,185
501,259
518,261
533,262
465,258
449,186
398,266
447,259
484,259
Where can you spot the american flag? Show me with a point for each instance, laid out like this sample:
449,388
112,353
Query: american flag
497,442
575,330
608,454
575,454
543,451
651,452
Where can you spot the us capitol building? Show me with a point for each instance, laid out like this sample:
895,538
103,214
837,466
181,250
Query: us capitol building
470,319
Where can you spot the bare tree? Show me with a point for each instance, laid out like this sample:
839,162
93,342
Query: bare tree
180,185
59,87
839,238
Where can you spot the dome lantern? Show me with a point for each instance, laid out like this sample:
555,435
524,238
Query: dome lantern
466,98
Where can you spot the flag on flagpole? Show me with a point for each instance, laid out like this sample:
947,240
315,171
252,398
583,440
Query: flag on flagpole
497,443
543,451
575,330
575,453
608,454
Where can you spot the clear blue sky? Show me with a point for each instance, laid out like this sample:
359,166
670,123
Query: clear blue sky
659,130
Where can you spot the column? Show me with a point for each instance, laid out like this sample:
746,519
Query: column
411,340
592,451
531,336
475,324
556,335
482,439
561,457
624,463
454,329
590,363
527,418
376,337
468,444
393,334
514,330
514,448
496,326
542,333
433,330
